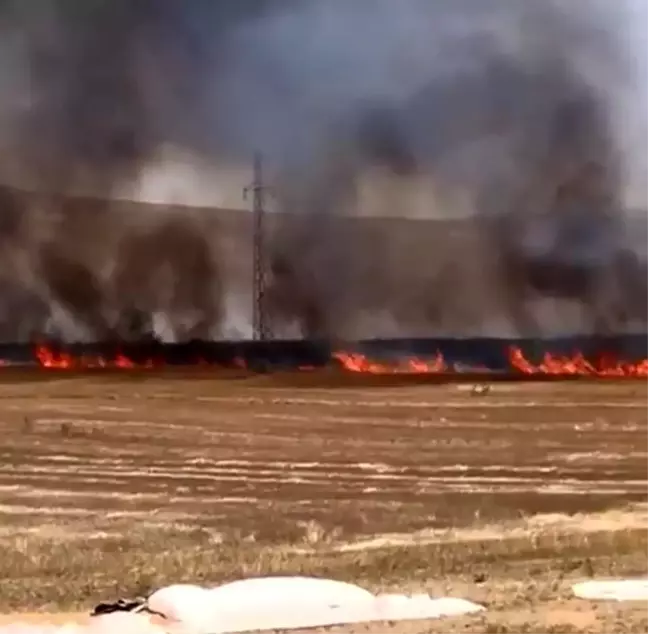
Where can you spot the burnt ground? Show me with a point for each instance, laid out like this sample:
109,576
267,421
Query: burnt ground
112,484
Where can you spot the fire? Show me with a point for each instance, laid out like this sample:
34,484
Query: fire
355,362
48,358
577,364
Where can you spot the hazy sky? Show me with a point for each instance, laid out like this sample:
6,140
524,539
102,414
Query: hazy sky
636,134
180,177
184,178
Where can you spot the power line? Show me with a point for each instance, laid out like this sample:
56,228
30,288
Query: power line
260,323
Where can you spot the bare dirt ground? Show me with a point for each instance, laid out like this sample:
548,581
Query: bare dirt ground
114,484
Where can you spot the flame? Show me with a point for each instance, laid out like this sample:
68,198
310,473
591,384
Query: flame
48,358
577,364
355,362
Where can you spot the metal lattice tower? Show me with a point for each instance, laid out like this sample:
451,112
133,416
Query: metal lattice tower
260,326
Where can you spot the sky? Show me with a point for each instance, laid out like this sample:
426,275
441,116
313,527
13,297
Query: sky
636,135
178,176
183,177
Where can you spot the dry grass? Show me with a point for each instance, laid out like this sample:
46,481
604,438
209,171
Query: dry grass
507,575
72,574
112,488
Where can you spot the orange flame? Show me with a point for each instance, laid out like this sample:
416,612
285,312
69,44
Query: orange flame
551,364
576,365
48,358
356,362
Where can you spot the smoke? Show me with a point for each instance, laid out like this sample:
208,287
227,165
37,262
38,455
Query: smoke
512,104
528,116
105,86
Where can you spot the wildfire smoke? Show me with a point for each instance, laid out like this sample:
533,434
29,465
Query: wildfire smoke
515,114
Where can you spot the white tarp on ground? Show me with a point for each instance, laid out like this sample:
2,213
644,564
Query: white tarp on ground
268,603
613,590
276,603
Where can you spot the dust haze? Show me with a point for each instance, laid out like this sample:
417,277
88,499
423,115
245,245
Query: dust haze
521,125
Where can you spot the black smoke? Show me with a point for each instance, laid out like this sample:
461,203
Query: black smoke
531,137
507,109
109,83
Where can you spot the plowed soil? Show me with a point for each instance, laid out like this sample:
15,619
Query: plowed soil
112,484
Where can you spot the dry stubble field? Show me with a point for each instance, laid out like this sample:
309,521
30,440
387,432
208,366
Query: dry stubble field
112,484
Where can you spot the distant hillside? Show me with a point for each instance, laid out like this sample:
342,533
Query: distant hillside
376,276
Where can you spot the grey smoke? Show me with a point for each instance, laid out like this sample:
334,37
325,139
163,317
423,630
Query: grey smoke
108,83
519,107
513,103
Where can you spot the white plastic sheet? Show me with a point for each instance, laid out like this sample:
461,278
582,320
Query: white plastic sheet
267,603
294,602
613,590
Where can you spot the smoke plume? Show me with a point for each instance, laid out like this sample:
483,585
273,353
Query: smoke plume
529,118
108,84
512,105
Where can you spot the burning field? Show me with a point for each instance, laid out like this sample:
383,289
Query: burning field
611,357
504,493
466,170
